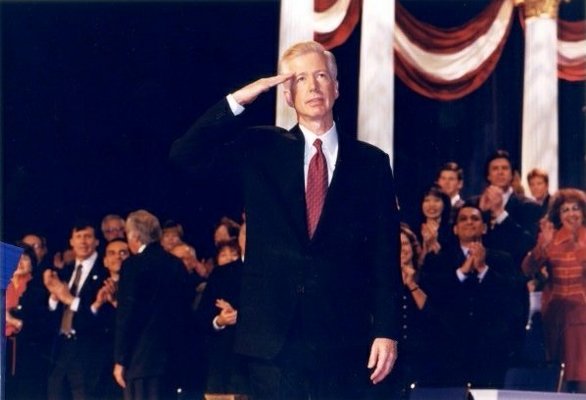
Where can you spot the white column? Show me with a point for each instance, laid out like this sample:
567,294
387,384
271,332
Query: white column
376,80
540,99
296,26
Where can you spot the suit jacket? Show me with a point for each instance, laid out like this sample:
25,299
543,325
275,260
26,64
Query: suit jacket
479,321
522,211
525,212
152,319
85,322
344,282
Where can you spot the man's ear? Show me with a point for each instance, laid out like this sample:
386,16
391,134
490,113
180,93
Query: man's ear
484,229
288,97
337,90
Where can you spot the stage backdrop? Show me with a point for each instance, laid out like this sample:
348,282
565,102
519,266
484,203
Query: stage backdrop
93,94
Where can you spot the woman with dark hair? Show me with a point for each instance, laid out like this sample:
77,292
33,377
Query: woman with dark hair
435,230
27,330
412,364
561,247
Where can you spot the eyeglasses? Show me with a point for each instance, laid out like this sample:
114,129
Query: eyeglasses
119,252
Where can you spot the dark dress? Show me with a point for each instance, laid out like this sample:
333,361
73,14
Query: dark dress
226,370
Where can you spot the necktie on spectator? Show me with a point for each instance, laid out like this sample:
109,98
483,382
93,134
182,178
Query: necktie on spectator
317,186
67,318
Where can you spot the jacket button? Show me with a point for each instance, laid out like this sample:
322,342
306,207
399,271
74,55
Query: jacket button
300,289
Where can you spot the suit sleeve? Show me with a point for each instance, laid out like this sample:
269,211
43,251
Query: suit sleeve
386,256
207,143
125,313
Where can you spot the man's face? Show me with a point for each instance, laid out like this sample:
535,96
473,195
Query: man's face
37,244
312,91
500,173
538,187
116,252
449,183
83,242
113,229
469,225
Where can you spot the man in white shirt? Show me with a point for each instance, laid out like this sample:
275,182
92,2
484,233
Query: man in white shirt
79,353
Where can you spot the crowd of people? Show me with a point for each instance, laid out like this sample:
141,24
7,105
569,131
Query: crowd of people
320,291
468,269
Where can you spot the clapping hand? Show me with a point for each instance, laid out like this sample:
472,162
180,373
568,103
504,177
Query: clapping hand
228,315
546,233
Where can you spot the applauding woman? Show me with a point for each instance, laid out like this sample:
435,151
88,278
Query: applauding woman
561,247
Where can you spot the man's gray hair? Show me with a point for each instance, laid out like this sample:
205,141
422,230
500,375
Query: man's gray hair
111,217
144,226
303,48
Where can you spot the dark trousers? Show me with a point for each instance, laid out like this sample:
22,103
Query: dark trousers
77,369
150,388
301,371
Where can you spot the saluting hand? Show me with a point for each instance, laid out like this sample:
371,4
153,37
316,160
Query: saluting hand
250,92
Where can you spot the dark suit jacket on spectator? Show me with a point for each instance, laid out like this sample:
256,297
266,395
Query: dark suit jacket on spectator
152,319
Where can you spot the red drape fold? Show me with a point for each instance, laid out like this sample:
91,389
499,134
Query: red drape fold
337,37
572,70
446,40
443,41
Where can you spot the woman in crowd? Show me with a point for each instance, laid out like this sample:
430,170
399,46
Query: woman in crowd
414,355
435,230
218,314
561,247
27,330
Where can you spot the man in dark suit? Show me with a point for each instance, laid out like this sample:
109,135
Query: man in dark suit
450,178
321,274
80,347
472,289
520,209
152,318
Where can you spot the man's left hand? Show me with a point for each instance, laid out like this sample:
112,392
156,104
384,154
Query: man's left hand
119,375
383,354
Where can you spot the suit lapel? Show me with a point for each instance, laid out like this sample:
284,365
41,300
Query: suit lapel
293,187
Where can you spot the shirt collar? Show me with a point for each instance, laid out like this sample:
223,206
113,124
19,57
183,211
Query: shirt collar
329,140
89,262
507,195
141,248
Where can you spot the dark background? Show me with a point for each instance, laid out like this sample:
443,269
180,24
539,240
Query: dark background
94,93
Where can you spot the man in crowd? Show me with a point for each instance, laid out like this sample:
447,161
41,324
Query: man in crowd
522,210
472,288
451,180
113,227
152,318
79,352
538,181
318,316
